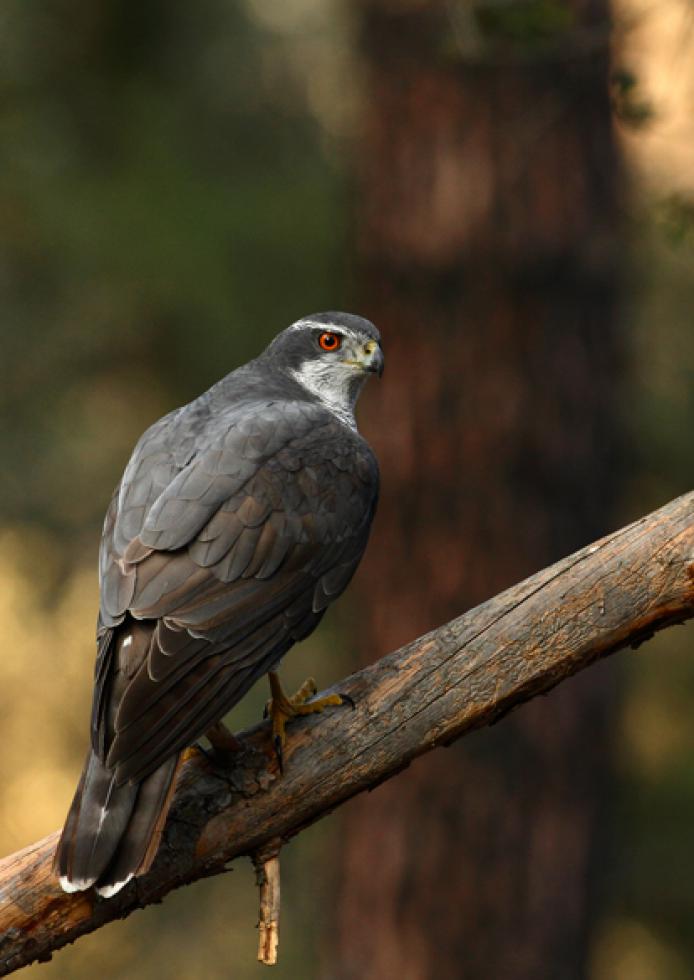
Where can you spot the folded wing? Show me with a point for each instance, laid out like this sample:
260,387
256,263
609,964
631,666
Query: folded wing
226,554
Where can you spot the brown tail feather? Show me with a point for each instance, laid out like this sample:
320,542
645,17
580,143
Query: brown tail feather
112,832
140,842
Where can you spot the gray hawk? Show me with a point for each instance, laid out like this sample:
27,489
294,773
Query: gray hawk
239,518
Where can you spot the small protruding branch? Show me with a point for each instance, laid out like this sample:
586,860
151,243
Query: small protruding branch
267,868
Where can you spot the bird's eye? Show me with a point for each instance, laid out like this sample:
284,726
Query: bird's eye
330,341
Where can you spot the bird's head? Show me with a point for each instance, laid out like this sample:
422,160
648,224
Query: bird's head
331,355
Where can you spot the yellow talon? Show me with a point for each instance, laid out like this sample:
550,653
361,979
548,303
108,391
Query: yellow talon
306,691
281,708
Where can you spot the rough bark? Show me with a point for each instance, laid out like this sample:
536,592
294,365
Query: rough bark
460,677
487,253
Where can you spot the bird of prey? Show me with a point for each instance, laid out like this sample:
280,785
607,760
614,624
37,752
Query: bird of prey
239,518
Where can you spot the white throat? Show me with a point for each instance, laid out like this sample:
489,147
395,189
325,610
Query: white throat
336,387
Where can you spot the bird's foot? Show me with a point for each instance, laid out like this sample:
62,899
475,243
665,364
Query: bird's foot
193,752
282,708
224,744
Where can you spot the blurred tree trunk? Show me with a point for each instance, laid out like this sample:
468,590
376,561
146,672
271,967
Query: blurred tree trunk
487,254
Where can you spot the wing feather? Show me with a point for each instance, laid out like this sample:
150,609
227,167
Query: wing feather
227,546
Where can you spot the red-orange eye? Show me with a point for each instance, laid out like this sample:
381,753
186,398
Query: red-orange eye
330,341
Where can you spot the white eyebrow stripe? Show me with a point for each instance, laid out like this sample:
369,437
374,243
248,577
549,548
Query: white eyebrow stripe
333,327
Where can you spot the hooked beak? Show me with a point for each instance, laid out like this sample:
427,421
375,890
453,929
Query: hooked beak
373,360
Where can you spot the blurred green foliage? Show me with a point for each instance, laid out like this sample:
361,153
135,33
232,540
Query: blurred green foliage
166,208
628,102
675,214
525,22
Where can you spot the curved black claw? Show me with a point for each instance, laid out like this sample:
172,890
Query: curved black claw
278,752
346,699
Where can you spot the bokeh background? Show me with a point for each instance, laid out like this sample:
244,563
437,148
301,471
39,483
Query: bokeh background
507,188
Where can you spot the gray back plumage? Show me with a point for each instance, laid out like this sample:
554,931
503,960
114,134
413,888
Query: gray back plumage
238,520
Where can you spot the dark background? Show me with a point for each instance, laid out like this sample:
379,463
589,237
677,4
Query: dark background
506,189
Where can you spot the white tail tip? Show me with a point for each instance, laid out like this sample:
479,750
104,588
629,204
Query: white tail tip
80,885
108,891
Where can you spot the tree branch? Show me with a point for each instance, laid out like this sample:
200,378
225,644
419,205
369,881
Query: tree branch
461,676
